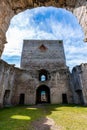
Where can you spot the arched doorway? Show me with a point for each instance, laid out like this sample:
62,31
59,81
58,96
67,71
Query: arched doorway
43,94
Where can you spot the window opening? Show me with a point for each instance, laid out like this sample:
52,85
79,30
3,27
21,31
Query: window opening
43,78
43,75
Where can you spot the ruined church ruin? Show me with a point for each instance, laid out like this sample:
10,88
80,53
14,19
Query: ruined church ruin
43,77
35,82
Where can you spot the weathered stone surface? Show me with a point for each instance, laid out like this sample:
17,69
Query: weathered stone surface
79,79
80,11
24,85
46,54
6,82
26,82
6,14
8,8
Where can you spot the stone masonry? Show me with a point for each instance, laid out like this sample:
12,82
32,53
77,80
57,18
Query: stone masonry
43,77
79,80
46,57
43,54
24,85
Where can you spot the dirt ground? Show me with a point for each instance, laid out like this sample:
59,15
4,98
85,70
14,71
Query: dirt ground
45,124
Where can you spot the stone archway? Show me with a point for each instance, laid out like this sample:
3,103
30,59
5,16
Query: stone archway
43,94
9,8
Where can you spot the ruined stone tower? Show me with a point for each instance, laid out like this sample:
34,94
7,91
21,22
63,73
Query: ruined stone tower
46,64
43,77
43,54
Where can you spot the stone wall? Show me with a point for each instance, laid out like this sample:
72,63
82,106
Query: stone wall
6,82
9,8
79,79
47,55
14,82
43,54
58,84
23,84
42,58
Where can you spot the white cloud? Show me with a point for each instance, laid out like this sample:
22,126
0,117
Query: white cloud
47,23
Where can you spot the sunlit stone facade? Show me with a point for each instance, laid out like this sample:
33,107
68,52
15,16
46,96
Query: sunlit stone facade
43,77
46,64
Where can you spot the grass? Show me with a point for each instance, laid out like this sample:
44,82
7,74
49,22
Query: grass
67,117
18,118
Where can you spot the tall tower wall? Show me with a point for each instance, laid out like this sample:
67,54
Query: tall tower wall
42,54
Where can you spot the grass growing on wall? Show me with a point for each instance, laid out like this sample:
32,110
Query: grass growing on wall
67,117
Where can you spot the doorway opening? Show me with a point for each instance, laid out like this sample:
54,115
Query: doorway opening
80,97
21,99
64,98
6,97
43,94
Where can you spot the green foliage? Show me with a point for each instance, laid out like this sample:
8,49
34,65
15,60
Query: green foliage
67,117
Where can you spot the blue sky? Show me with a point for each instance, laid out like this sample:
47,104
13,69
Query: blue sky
46,23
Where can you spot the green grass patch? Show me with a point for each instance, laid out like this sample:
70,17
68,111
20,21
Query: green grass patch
67,117
70,117
18,118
